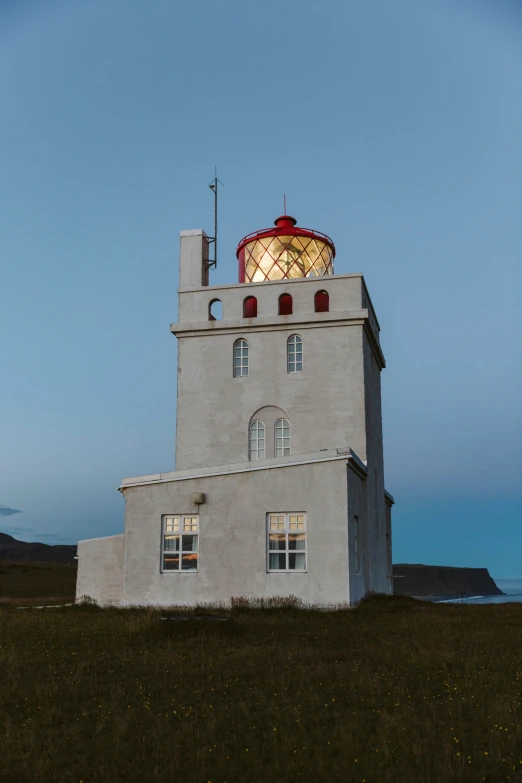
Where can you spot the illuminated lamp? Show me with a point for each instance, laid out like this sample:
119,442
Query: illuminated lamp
284,252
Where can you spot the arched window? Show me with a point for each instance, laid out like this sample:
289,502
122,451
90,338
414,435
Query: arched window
294,353
215,310
250,307
256,443
240,358
267,416
282,438
322,302
285,304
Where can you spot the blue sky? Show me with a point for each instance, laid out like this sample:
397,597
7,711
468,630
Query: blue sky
395,128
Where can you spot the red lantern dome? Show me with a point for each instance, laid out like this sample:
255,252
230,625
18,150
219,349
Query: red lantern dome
284,252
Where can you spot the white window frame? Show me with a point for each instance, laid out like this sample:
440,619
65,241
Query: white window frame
176,529
288,524
294,354
282,438
240,358
256,440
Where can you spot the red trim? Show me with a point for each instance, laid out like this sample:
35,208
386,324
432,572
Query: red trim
284,225
241,265
283,221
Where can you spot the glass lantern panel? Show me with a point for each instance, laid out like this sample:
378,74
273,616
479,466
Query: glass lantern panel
286,256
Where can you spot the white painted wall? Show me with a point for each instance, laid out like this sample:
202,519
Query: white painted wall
233,536
347,294
325,403
100,569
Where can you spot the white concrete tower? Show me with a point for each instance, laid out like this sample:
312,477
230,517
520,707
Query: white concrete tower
292,366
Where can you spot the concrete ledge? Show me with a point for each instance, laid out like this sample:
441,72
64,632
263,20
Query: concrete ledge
193,232
273,323
251,286
99,538
279,323
328,455
388,498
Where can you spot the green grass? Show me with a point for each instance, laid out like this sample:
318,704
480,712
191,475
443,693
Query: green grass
395,690
26,584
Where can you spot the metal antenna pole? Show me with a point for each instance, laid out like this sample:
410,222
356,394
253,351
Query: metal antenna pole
212,264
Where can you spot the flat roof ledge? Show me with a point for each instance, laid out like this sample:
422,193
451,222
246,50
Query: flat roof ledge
327,455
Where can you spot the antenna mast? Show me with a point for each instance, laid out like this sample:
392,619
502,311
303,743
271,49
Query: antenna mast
212,263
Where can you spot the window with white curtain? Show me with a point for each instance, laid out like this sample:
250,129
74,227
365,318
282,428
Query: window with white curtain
240,358
256,443
294,353
282,438
180,543
286,541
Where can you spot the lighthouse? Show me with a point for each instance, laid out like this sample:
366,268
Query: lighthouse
279,487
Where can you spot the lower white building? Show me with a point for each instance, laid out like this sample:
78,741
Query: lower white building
279,488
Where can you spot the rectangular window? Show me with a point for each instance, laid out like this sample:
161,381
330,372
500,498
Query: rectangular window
286,541
356,552
180,543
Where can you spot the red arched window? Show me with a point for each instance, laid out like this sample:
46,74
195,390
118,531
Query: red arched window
322,302
250,307
285,304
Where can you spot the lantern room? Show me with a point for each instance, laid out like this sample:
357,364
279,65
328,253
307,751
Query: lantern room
284,252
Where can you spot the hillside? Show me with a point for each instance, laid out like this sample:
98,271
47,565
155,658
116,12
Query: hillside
423,580
11,549
410,579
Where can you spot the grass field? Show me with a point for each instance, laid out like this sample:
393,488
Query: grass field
28,584
395,690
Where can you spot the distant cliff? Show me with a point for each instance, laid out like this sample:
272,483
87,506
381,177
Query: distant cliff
11,549
423,580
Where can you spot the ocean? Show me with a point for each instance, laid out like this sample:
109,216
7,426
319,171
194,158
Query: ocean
511,587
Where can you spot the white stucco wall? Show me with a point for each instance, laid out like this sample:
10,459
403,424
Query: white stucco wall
379,579
233,536
357,506
325,403
348,293
334,401
100,569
